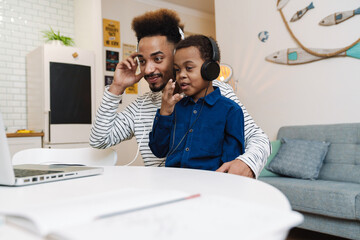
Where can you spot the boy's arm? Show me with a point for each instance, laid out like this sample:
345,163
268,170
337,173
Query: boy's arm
257,144
159,137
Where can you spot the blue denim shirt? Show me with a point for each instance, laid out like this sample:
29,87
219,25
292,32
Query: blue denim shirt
216,137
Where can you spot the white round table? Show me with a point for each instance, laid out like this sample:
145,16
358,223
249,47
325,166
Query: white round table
251,195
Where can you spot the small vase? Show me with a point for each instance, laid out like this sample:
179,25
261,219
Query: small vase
56,42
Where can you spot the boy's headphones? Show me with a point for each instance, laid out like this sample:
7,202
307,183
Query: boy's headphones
210,69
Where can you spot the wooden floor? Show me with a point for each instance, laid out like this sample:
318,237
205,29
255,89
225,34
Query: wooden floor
302,234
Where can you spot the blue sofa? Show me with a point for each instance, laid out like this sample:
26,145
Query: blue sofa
331,203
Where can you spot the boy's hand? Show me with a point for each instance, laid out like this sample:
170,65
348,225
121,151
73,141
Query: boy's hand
169,99
124,75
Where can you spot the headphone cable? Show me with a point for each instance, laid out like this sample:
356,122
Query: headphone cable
138,149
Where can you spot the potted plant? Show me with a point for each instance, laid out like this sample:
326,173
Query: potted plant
51,36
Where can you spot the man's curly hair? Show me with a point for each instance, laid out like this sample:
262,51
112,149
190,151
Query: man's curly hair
163,22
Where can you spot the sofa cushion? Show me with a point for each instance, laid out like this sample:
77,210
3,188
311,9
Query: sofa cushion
275,146
299,158
328,198
342,162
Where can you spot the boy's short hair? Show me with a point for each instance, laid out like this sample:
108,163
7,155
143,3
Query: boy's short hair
163,22
202,43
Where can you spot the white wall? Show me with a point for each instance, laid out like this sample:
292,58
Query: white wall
124,11
21,23
275,95
88,35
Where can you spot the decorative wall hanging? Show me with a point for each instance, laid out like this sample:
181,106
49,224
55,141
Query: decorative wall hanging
301,13
129,49
111,31
339,17
112,59
263,36
282,4
108,80
294,56
133,89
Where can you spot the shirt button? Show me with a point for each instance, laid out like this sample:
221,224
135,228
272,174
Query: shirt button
190,130
195,112
156,118
187,149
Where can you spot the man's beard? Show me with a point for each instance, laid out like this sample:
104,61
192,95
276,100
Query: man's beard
152,87
157,89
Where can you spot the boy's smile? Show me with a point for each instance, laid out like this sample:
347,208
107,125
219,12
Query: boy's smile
187,65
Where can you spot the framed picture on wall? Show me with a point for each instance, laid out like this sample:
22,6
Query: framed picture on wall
111,31
128,49
112,59
108,80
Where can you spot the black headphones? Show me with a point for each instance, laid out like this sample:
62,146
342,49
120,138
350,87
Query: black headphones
210,69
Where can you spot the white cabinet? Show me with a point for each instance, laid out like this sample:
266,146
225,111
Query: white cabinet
18,142
60,91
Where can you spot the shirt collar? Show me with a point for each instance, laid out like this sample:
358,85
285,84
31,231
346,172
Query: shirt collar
210,99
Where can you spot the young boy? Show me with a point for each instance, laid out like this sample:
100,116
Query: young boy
203,129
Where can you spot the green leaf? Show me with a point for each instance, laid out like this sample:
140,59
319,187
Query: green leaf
50,35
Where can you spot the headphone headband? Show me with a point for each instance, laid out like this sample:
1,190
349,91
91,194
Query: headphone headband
181,33
215,51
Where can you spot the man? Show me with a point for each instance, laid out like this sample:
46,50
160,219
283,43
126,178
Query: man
157,33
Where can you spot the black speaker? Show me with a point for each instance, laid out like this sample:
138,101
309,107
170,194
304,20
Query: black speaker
210,69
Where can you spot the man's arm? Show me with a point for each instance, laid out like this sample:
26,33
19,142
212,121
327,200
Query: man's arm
111,127
257,144
234,141
125,75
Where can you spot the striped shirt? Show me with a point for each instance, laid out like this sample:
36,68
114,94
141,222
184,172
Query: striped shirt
111,127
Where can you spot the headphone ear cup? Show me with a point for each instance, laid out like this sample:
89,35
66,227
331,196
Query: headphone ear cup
210,70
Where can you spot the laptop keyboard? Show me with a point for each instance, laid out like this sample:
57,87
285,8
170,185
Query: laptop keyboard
32,172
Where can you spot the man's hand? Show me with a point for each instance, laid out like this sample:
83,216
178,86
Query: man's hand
169,99
237,167
125,75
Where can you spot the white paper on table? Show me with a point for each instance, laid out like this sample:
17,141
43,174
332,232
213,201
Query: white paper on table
207,217
53,217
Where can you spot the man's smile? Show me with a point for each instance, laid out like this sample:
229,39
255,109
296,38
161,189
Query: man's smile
152,78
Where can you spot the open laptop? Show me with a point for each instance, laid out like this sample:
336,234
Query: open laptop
26,174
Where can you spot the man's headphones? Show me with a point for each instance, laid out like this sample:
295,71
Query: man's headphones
210,69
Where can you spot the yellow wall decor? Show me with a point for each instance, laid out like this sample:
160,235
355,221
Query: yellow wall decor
132,89
128,49
111,31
